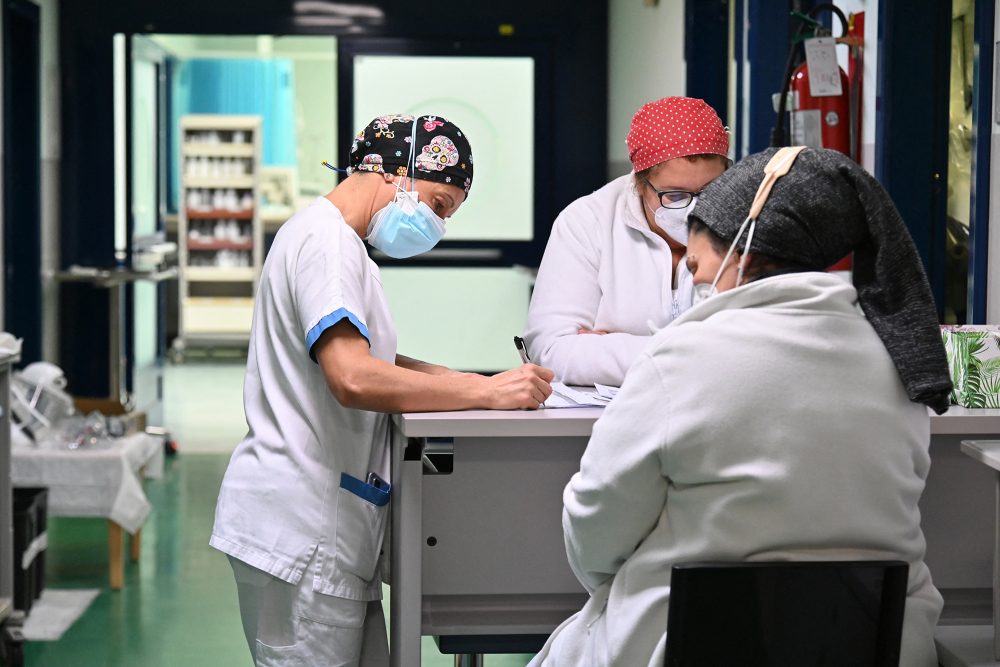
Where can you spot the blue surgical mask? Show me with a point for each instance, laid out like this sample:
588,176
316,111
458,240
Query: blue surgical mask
406,226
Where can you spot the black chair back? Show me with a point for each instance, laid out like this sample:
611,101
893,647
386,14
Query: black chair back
786,614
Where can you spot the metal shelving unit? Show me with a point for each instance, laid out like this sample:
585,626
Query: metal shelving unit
219,154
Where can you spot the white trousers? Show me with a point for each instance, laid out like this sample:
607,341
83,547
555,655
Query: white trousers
288,625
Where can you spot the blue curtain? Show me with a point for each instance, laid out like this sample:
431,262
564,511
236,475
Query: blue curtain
263,88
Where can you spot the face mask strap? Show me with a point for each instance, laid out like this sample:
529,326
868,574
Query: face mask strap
779,165
729,253
746,253
651,211
411,163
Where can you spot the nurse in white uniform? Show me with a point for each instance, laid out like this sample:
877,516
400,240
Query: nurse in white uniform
613,269
303,505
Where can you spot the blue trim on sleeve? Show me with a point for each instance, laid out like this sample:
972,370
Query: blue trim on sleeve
328,321
377,497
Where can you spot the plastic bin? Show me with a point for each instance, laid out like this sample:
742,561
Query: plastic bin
30,542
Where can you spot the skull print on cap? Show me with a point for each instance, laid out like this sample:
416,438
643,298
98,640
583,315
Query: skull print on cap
443,153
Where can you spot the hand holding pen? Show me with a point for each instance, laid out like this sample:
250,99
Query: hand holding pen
525,387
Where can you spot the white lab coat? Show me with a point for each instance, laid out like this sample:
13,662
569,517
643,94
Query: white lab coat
766,423
603,269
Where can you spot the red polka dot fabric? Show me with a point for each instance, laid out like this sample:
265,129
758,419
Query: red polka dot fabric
674,127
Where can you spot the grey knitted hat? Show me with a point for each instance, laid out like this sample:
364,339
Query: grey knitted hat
825,208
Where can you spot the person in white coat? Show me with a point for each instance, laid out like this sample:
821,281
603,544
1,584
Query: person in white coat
613,269
781,418
303,505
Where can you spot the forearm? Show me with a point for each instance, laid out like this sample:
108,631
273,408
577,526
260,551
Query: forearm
619,494
379,386
423,367
589,580
363,382
588,358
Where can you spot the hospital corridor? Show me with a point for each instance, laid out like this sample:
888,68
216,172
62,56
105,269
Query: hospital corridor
608,333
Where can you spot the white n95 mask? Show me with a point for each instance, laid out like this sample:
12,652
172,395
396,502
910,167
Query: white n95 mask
703,291
673,221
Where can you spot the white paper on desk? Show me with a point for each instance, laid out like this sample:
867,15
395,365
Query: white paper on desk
567,397
557,401
606,391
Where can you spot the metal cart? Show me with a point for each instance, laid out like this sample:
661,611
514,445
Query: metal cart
10,623
115,280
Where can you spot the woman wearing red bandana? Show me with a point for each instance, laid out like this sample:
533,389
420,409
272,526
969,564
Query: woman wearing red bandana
613,271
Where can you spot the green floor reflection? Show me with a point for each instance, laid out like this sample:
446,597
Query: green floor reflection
178,606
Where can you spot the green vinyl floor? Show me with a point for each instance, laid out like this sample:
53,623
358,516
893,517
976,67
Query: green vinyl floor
178,606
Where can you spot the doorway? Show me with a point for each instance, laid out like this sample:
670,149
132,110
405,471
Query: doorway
286,86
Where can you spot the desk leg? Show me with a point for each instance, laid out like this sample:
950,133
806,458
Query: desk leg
116,539
135,547
407,517
996,574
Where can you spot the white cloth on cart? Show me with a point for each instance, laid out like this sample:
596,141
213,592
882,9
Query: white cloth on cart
94,482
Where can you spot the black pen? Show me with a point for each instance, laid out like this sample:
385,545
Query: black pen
521,349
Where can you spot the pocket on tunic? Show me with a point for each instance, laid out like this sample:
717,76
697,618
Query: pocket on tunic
277,656
361,514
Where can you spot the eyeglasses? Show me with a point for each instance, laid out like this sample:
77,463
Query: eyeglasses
673,198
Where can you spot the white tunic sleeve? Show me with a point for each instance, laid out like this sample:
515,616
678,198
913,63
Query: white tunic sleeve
566,298
328,278
616,499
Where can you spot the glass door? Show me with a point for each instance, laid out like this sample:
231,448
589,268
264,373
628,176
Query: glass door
461,304
145,220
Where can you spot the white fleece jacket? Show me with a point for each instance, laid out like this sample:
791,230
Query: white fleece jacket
767,423
603,269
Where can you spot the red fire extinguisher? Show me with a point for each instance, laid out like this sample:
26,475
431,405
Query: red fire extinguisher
829,114
830,121
823,118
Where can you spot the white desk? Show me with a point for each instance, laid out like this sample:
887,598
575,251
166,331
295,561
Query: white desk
480,551
450,576
966,421
976,641
957,505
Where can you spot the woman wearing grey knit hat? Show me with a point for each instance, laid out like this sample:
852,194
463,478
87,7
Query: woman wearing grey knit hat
783,417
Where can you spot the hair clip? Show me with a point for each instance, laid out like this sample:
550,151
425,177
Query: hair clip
337,169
